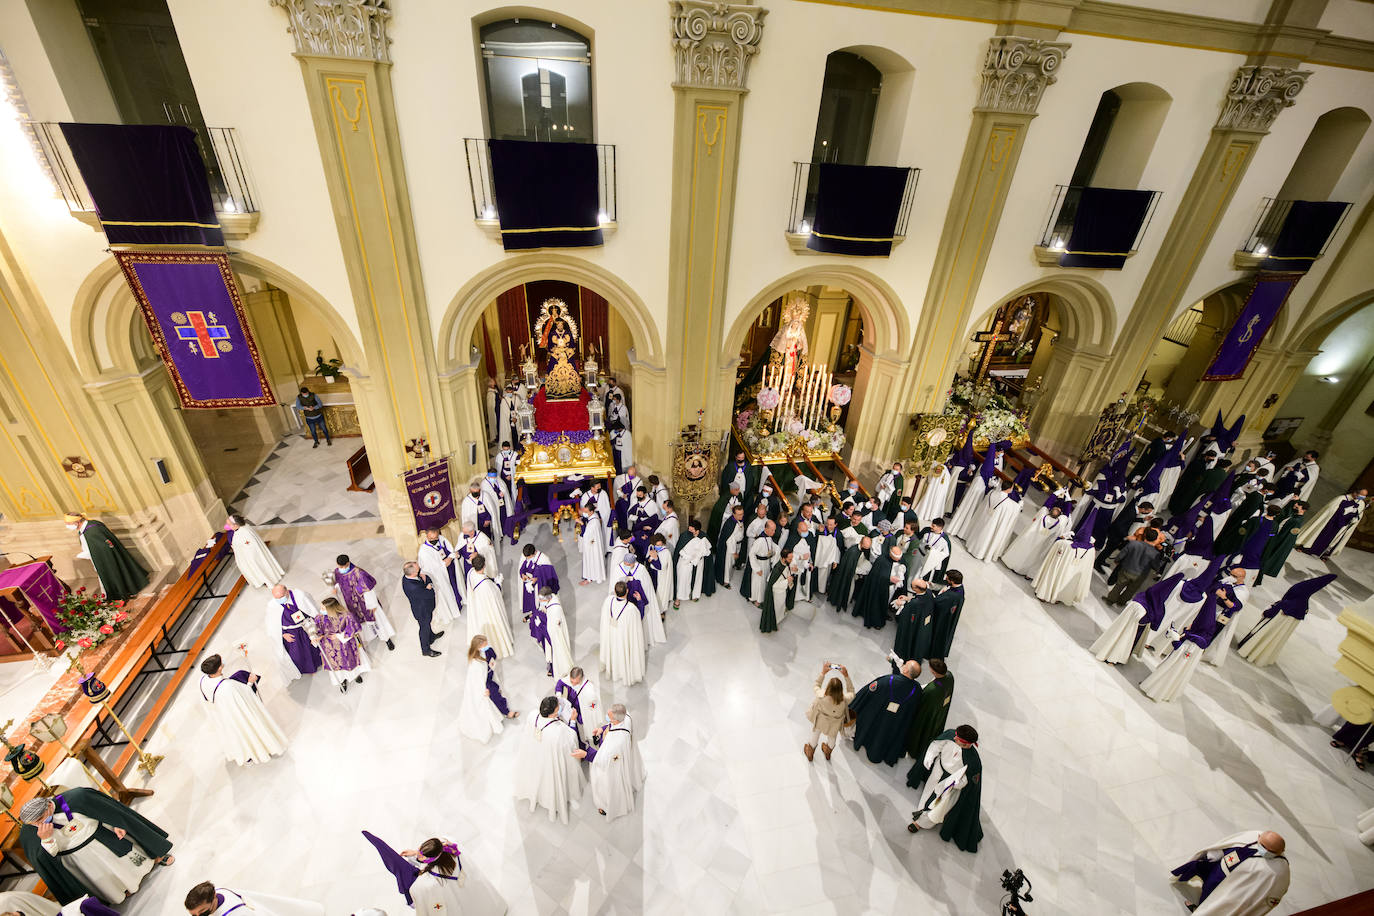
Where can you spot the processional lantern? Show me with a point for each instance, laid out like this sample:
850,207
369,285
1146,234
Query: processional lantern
596,415
530,373
524,417
589,372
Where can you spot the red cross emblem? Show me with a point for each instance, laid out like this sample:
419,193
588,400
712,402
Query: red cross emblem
203,335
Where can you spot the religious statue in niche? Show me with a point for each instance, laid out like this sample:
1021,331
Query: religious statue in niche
557,335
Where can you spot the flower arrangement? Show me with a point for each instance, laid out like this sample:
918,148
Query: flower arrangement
840,395
762,439
996,419
768,398
90,618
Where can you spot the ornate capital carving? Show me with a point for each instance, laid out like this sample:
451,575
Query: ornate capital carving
713,42
1257,94
339,28
1016,72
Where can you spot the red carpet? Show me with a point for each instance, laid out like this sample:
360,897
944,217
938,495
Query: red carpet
556,416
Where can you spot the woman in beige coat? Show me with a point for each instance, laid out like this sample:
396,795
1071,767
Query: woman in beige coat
829,709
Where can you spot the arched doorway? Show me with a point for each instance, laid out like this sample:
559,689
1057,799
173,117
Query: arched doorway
1181,356
199,464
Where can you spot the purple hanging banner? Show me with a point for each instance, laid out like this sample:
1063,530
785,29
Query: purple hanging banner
431,495
191,305
1256,316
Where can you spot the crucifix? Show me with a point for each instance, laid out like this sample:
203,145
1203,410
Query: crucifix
989,341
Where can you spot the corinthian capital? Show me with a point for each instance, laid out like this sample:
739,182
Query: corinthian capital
339,28
1016,72
713,42
1257,94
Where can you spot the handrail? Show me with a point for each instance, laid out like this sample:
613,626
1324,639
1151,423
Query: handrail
483,186
805,181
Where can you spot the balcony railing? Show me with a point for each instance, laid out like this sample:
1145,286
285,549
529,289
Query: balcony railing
802,214
230,187
1064,209
484,189
1273,213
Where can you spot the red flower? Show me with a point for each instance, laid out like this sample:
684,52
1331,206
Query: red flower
84,642
120,617
61,646
119,604
81,589
107,629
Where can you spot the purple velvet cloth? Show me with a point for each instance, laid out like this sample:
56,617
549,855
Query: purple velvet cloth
402,869
338,656
493,688
1345,513
1254,545
1205,625
1196,588
1083,537
1153,599
1200,544
1294,601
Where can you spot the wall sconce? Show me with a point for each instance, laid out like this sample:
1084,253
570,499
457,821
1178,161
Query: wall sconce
1330,379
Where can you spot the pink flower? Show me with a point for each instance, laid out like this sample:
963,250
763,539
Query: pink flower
84,642
107,629
120,617
61,646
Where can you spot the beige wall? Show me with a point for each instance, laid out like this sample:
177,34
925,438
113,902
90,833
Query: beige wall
1344,353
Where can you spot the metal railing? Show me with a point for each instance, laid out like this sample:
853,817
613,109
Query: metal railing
805,180
1181,330
230,187
1273,213
1064,209
480,182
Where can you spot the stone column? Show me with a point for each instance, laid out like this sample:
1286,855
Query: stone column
874,377
1016,72
713,43
1062,421
342,48
1253,101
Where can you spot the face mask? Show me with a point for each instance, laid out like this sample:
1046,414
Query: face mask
74,527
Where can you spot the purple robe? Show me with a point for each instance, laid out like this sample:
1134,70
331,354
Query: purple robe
634,590
569,692
1346,513
303,654
596,741
352,583
338,656
541,575
484,520
1255,544
452,568
1205,625
493,688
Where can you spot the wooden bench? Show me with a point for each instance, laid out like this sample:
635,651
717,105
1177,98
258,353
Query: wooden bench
360,472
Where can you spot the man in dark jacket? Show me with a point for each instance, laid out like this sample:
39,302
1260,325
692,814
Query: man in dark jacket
419,592
1138,560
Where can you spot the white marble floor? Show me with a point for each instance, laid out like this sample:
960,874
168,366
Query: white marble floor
1090,787
298,484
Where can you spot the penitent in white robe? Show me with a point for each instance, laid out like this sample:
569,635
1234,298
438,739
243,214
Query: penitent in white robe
592,545
253,903
763,553
665,587
446,600
1315,524
592,716
693,567
998,525
1254,887
1027,553
935,491
249,734
487,614
971,509
107,875
257,565
1166,682
558,650
654,634
617,771
547,775
1118,642
1262,648
478,717
463,894
622,641
948,776
1066,574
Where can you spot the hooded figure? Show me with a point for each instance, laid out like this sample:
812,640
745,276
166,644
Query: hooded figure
1142,614
1185,602
1067,572
962,467
1263,643
1198,552
972,512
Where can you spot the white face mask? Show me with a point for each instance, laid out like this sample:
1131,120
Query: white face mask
72,527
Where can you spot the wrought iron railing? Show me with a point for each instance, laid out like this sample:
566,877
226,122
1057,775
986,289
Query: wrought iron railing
230,186
1273,213
483,188
1064,209
802,214
1181,329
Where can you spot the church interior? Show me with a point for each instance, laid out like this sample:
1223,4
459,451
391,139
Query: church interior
291,284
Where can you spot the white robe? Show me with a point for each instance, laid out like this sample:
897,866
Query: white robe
665,588
1118,642
310,609
469,510
245,728
106,874
446,600
971,509
558,650
763,553
935,491
1264,647
483,546
993,535
1168,480
1027,553
256,904
1166,682
654,634
887,485
464,894
693,567
669,529
591,543
257,565
478,717
937,551
617,771
1313,525
948,776
506,419
487,614
1066,574
28,904
801,562
827,554
1249,889
805,486
601,506
546,773
622,641
589,702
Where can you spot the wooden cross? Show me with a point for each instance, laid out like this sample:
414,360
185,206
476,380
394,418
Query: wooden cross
989,341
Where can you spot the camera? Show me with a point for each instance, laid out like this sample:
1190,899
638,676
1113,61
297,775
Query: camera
1012,883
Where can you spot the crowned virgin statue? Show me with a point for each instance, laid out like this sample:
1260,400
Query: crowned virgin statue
557,335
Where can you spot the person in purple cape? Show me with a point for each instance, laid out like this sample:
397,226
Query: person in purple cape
536,572
1142,614
290,626
481,511
1168,681
1268,637
340,640
1328,531
358,591
579,701
434,879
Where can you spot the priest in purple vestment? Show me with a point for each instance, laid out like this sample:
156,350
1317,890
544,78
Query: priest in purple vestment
357,589
536,572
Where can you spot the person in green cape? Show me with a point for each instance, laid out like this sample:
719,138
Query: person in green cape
949,604
952,793
1276,552
930,717
915,621
121,576
890,486
782,586
841,585
1239,523
721,510
124,843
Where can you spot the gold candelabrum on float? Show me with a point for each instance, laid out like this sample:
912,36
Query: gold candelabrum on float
802,394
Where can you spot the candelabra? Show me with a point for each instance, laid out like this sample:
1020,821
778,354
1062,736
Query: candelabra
94,689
